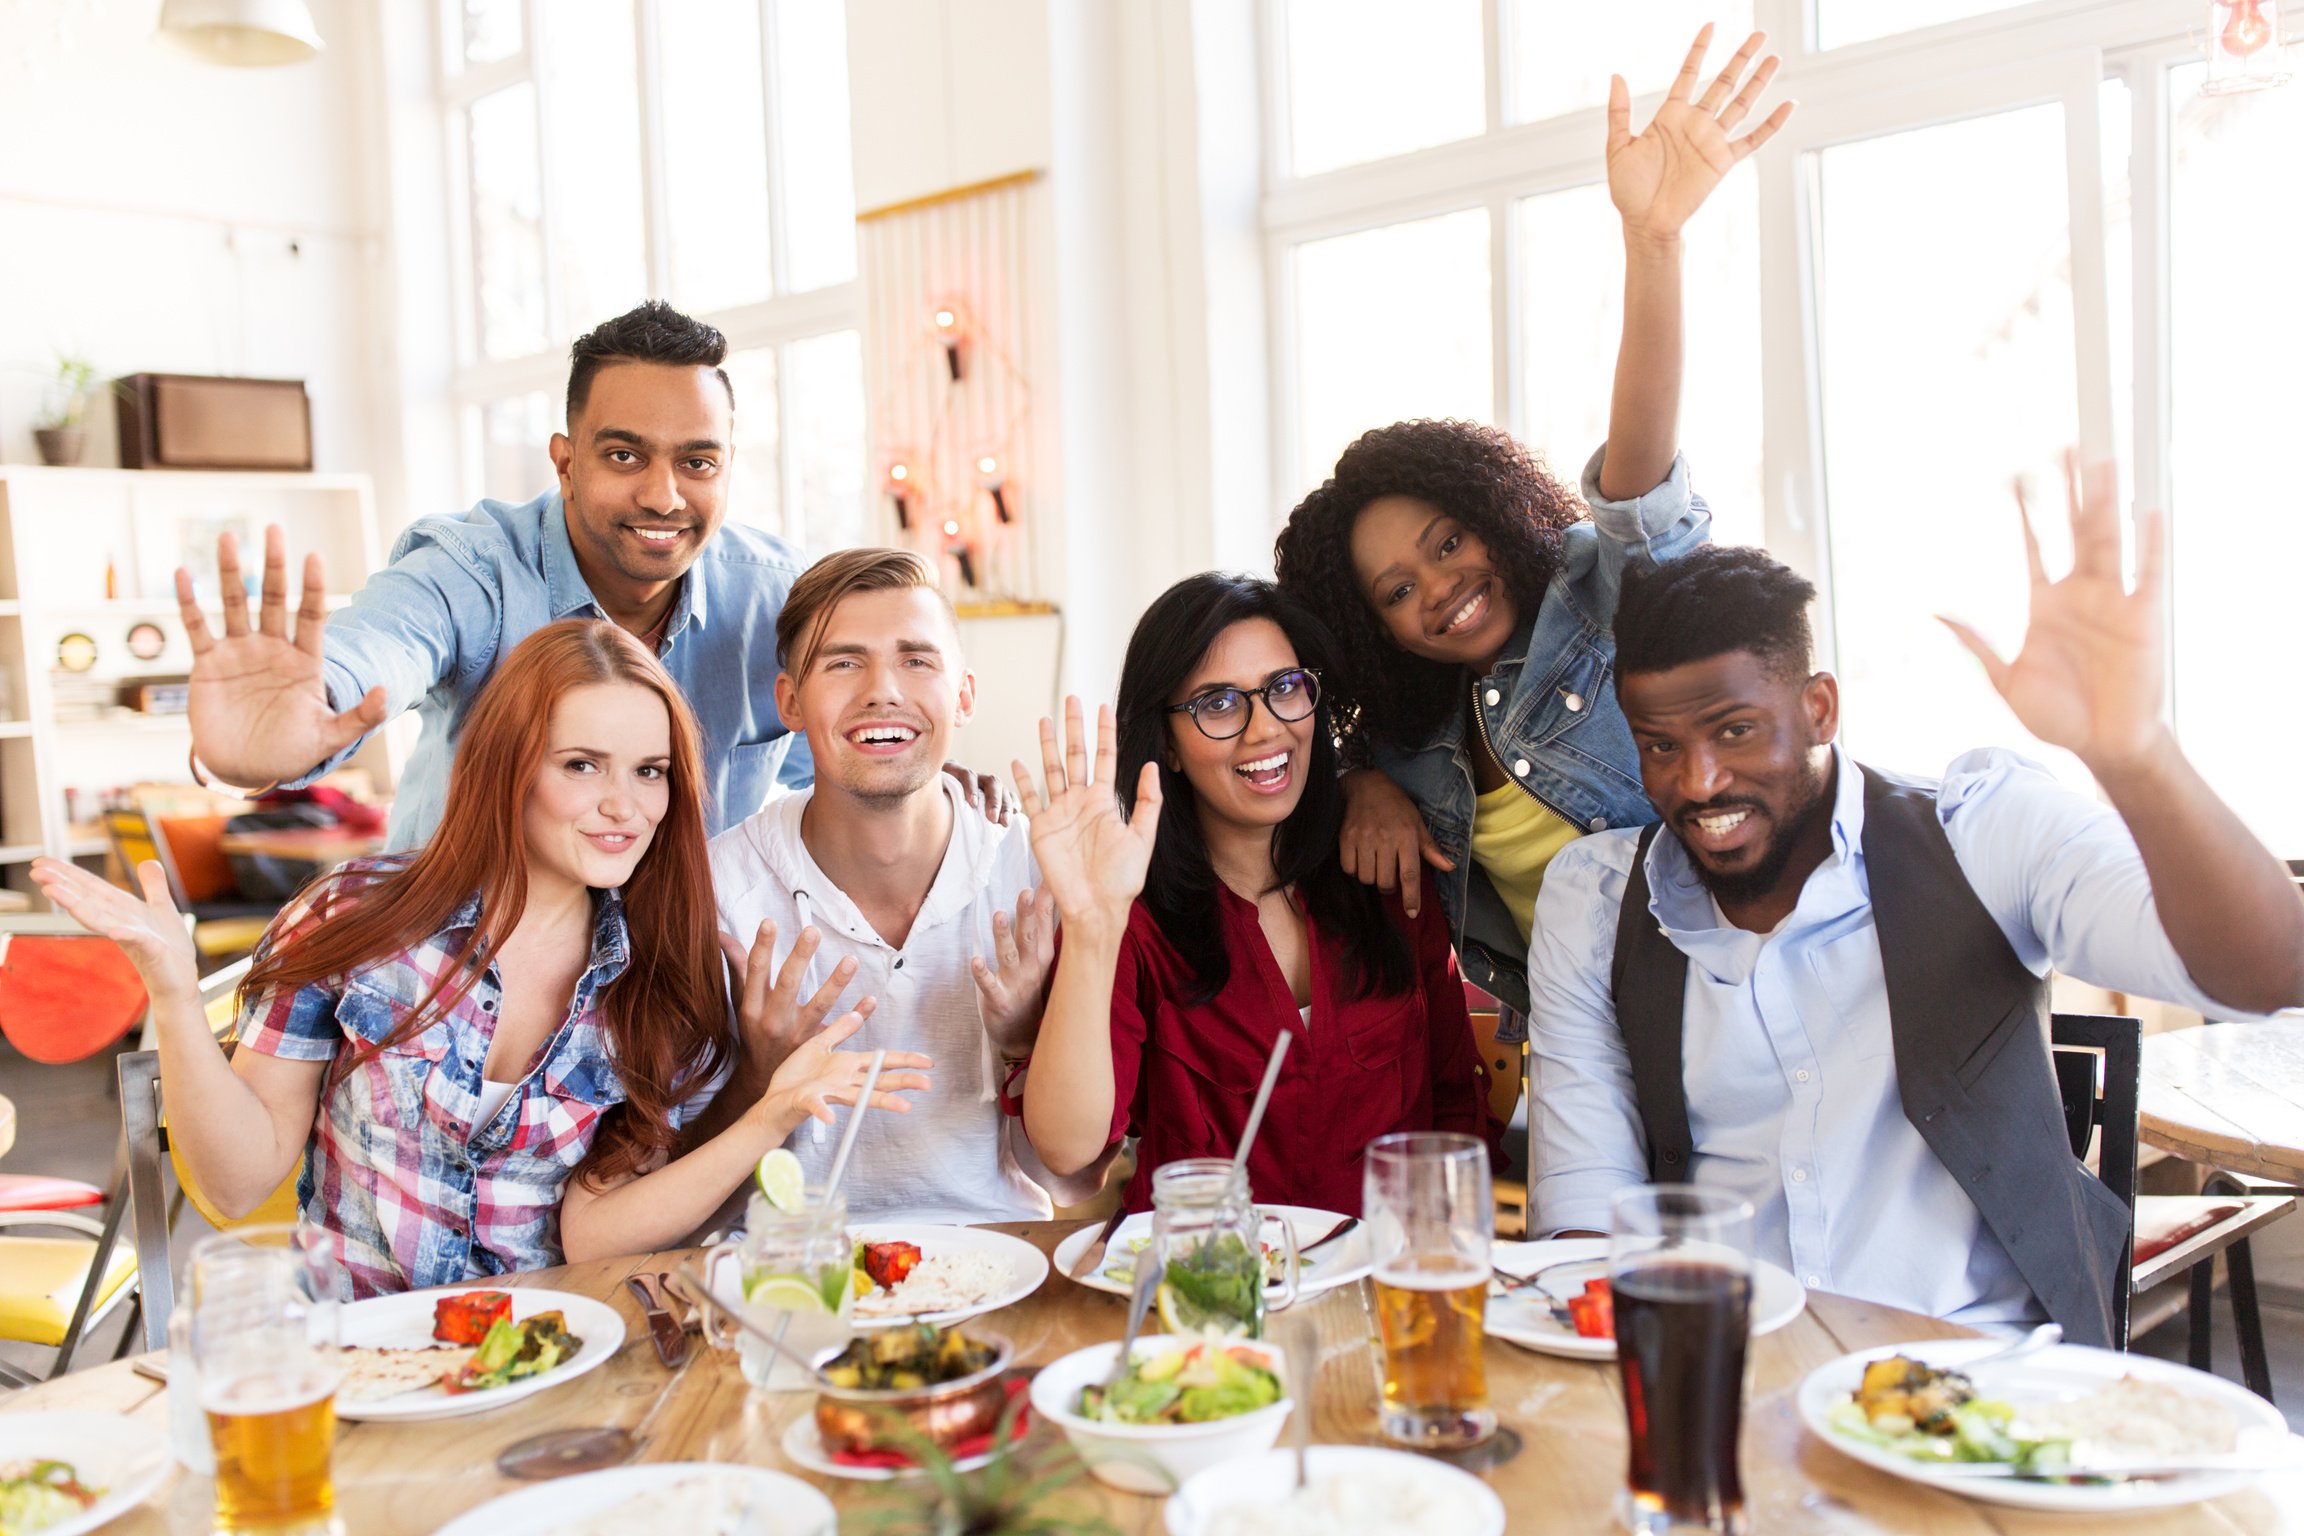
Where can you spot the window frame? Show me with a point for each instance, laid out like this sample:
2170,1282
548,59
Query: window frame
2021,55
476,380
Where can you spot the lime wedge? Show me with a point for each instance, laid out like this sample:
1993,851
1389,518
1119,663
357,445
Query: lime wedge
784,1293
783,1182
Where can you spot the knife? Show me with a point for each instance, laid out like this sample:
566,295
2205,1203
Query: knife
670,1338
1335,1232
1093,1254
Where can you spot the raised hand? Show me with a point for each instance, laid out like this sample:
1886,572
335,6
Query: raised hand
816,1075
150,931
1092,859
772,1019
1661,175
259,703
2091,674
1011,990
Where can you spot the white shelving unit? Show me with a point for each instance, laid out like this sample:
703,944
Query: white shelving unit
61,532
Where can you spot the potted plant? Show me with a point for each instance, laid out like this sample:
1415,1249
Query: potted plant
59,432
1021,1491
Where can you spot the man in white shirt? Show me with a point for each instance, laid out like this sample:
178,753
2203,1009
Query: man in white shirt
1824,989
895,897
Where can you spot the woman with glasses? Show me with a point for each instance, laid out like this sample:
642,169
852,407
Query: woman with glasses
1205,913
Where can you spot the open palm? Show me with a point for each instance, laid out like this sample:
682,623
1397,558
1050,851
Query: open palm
149,930
1661,175
2091,674
259,701
1092,858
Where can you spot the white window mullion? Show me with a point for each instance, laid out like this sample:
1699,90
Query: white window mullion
772,130
556,318
1495,44
2149,208
795,513
1504,313
1792,428
2091,296
1272,30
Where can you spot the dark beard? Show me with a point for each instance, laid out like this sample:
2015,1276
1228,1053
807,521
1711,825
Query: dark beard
1745,886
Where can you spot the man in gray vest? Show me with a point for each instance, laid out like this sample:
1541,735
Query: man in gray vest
1824,988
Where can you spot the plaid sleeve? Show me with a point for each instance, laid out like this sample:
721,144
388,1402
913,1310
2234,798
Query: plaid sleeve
296,1026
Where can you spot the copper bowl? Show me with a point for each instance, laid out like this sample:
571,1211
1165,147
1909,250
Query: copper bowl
945,1414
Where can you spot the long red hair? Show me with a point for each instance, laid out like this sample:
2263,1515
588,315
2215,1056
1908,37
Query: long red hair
665,1016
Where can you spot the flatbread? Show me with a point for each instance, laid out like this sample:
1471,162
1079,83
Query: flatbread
704,1505
372,1375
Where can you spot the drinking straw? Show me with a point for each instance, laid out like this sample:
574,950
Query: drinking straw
1256,1111
856,1123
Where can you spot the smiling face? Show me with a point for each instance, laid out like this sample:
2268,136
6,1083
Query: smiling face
882,694
643,470
1431,583
1254,779
604,784
1736,757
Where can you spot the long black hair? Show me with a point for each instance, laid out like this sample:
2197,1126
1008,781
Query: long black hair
1175,633
1482,477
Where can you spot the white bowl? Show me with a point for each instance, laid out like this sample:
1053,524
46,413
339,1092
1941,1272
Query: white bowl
1261,1484
1152,1458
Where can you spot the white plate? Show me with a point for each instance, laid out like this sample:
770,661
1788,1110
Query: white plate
125,1458
1027,1267
1340,1263
803,1446
1264,1480
2068,1370
405,1322
1527,1319
782,1505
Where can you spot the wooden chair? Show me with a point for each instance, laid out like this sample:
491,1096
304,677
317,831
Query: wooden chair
2099,1062
152,1159
1502,1069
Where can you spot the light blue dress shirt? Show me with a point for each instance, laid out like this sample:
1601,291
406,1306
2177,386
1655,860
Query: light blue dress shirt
1789,1064
460,592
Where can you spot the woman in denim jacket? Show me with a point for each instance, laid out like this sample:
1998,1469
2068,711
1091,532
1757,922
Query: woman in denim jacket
498,1051
1473,596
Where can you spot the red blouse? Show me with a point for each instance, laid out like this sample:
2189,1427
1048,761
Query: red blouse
1184,1076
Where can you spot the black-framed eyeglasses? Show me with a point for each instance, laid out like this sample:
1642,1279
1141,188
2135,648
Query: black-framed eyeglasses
1223,713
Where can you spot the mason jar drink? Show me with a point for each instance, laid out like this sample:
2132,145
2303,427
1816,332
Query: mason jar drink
264,1338
1431,1216
796,1273
1209,1238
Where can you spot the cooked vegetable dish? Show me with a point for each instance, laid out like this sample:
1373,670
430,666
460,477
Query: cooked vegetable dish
905,1359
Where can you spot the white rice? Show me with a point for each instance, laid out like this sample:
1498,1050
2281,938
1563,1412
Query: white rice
2134,1421
943,1282
1367,1503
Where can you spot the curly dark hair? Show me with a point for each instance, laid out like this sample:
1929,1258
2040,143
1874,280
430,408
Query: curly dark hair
1710,601
1477,474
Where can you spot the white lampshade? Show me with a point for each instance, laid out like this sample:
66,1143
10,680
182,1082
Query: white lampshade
241,31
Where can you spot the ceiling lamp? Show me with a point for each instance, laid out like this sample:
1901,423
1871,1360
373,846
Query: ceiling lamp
241,31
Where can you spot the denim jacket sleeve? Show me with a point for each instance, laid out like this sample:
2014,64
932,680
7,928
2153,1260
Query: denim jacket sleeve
1657,526
425,617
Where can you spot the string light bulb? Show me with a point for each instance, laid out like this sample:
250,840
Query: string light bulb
899,492
2243,46
996,484
951,328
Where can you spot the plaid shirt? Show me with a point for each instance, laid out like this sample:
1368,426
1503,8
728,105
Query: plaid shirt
418,1194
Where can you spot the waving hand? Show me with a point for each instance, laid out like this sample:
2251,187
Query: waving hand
1092,858
1661,175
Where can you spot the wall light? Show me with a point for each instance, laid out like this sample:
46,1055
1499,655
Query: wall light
2243,45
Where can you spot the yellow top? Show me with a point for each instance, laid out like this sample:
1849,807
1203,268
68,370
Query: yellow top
1513,838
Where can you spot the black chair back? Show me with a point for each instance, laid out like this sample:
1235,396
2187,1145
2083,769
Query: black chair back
2099,1064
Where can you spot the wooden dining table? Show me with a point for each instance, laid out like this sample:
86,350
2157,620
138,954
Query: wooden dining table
2228,1095
1568,1414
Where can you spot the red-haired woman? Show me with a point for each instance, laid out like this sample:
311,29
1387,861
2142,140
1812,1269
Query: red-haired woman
443,1037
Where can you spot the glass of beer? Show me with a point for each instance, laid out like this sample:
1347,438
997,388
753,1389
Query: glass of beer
1680,1268
264,1343
1431,1215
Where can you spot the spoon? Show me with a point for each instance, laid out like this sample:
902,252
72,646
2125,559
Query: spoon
696,1287
1148,1270
2046,1336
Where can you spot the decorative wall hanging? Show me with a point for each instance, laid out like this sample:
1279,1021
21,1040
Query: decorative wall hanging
946,335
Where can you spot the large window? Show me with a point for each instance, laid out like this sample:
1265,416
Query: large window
606,151
1993,232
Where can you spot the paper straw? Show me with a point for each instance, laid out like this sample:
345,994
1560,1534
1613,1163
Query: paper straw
855,1124
1256,1111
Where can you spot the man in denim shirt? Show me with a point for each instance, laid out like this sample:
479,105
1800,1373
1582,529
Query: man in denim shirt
633,534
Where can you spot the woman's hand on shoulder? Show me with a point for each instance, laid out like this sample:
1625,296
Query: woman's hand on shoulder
1092,858
817,1075
148,929
1385,837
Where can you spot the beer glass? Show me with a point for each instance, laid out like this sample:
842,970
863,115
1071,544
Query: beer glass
1431,1215
796,1271
1680,1265
264,1342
